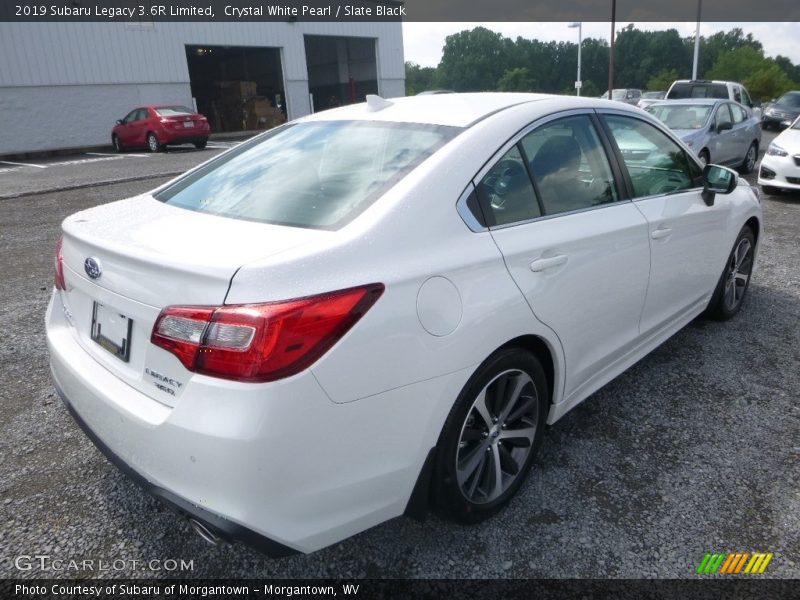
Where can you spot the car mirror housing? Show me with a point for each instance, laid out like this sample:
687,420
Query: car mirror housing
724,127
119,121
717,180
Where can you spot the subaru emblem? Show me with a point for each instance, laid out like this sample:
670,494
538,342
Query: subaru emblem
92,267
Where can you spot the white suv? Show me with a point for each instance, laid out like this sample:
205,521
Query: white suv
699,88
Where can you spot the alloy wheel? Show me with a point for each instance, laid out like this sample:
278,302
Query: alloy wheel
750,161
739,268
497,436
152,142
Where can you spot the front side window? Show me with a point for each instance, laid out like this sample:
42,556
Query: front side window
737,95
655,163
739,115
131,116
318,174
569,165
723,115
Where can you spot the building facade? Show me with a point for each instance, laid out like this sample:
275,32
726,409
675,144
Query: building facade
63,85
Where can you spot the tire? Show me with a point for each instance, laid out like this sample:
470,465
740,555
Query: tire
473,449
735,279
153,145
770,190
118,147
750,159
201,144
704,157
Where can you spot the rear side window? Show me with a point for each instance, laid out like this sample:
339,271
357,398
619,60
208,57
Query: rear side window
681,91
655,163
506,192
319,174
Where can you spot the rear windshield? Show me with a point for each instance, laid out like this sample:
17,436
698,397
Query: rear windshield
698,90
168,111
319,174
681,116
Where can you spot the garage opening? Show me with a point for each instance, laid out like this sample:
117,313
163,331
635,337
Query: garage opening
237,88
341,70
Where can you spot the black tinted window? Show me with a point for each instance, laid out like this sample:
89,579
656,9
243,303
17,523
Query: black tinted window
698,90
790,99
319,174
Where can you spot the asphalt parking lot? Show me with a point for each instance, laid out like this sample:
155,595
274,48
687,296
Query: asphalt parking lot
695,449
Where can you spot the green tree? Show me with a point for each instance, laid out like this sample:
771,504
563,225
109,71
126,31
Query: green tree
419,79
768,83
662,80
763,77
474,60
516,80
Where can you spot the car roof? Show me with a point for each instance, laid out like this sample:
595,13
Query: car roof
456,110
701,81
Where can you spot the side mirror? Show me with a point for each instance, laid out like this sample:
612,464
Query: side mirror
724,126
717,180
119,121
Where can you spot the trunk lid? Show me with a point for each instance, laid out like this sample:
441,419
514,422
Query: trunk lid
151,255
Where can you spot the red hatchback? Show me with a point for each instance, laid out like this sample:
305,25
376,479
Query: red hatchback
154,127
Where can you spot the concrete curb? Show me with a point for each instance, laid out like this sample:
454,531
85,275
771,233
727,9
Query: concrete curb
78,186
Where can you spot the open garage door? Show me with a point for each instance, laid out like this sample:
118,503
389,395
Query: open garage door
237,88
341,70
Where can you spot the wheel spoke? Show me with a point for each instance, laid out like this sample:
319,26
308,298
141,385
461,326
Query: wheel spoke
730,293
741,278
470,463
497,476
519,437
478,475
507,461
482,409
521,410
512,396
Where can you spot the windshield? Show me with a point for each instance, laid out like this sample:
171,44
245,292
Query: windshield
168,111
617,94
681,116
791,99
655,95
320,174
796,124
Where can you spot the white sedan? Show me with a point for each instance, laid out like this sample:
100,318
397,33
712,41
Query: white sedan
376,309
780,167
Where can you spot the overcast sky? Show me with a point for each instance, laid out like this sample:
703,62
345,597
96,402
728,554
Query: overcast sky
424,41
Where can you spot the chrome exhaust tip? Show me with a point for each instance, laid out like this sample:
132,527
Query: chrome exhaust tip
205,533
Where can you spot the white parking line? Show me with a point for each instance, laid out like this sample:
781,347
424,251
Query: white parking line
117,155
8,162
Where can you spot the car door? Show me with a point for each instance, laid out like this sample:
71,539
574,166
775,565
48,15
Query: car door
575,247
742,135
723,142
139,127
687,237
126,130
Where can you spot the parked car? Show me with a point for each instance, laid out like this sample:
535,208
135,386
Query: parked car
780,167
382,305
717,131
628,96
684,89
782,112
649,97
156,127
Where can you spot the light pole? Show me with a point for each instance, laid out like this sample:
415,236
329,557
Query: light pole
696,41
578,82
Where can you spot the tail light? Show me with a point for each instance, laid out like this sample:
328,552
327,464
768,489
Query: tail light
59,266
261,342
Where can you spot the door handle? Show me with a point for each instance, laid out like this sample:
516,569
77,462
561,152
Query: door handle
551,262
661,233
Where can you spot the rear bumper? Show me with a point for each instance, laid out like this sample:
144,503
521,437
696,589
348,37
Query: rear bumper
220,526
279,465
171,137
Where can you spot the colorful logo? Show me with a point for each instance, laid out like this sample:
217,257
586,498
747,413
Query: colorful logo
734,563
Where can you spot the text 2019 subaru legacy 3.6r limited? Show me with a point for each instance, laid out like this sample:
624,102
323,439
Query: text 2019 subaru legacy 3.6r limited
377,309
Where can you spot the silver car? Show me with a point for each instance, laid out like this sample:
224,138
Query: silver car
718,131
